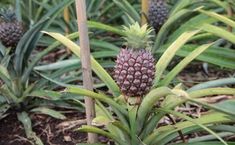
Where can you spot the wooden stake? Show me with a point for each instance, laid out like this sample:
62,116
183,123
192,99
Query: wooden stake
67,19
86,64
230,15
144,7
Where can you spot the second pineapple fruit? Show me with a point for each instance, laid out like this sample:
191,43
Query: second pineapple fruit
157,14
11,30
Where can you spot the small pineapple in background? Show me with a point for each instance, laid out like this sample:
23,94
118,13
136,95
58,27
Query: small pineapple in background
157,14
11,30
134,70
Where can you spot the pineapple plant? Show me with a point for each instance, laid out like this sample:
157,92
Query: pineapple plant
157,14
134,70
11,30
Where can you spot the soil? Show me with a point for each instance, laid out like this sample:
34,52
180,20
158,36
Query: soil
195,74
46,128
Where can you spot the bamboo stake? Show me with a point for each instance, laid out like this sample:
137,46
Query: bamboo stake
86,64
230,15
67,19
144,7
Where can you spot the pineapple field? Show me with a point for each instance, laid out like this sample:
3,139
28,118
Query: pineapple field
117,72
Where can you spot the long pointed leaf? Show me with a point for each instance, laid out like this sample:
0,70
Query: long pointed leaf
219,32
219,17
92,129
170,53
180,66
148,102
100,97
214,83
195,122
165,131
50,112
92,24
26,121
96,67
166,27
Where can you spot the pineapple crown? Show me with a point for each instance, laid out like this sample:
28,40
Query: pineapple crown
7,14
138,37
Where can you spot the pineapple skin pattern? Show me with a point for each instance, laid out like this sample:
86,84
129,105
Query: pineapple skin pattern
11,30
157,14
11,33
134,72
135,65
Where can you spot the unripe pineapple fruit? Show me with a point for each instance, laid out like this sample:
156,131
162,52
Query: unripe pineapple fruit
11,30
157,14
135,69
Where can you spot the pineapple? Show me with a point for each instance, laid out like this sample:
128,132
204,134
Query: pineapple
134,70
157,14
11,30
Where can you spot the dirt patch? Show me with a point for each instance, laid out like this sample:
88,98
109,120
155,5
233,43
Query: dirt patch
47,128
195,74
12,132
